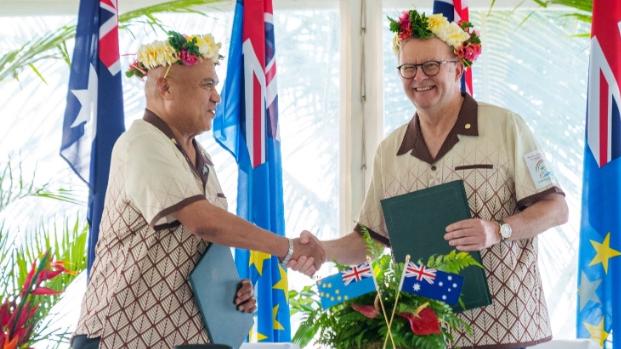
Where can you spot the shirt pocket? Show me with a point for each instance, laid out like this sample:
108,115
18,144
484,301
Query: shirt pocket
474,167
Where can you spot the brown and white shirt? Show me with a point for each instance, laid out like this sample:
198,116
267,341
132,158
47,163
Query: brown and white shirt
504,171
138,295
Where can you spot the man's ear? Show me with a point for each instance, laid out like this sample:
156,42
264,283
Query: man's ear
163,87
459,70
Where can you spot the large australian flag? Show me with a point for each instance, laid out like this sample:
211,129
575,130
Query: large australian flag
246,125
94,113
599,264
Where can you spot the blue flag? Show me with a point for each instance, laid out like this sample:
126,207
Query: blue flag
94,113
456,10
432,284
599,263
346,285
246,125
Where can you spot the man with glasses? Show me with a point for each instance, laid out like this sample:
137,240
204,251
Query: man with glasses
511,193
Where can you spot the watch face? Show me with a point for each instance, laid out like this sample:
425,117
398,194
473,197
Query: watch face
505,231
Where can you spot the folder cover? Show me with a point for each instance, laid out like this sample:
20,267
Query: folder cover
214,283
416,224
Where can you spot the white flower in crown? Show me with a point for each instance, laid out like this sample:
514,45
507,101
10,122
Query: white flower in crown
158,53
178,49
208,47
460,36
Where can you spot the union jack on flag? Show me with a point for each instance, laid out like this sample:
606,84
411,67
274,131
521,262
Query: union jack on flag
420,272
431,283
350,284
356,273
456,10
604,96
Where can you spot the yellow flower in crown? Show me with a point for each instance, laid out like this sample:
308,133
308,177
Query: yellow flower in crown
461,37
178,49
436,22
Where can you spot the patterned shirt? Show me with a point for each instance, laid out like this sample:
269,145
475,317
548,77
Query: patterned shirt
504,171
138,295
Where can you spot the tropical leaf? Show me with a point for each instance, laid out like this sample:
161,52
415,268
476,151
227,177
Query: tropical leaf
14,186
52,45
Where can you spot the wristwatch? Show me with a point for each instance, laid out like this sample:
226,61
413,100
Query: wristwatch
289,254
505,230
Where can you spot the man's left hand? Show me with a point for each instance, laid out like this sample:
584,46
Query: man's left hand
472,234
244,299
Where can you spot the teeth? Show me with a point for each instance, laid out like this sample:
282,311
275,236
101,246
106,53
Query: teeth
422,89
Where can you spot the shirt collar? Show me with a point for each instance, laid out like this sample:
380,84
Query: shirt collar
201,169
466,124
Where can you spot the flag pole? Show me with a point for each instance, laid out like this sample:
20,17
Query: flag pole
398,293
379,296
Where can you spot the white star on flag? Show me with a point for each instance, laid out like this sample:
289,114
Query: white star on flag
587,289
87,99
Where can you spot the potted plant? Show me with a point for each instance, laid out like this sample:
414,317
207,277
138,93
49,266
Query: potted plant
364,322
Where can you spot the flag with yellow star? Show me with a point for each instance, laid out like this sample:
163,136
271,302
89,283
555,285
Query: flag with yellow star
343,286
246,124
599,263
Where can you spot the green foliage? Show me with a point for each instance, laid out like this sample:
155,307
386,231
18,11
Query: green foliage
420,26
343,327
52,45
66,243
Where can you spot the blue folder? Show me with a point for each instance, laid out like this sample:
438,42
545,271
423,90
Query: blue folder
214,283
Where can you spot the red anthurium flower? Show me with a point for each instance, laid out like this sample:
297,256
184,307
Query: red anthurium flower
425,323
368,311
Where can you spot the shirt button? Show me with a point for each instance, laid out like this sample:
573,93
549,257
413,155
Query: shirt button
433,167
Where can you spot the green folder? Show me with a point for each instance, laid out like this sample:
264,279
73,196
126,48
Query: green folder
416,225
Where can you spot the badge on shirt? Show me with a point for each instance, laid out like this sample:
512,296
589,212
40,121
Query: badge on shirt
540,173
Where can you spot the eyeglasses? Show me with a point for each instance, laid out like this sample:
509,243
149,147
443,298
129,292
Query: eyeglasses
430,68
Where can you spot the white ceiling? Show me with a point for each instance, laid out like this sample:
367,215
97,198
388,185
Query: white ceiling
70,7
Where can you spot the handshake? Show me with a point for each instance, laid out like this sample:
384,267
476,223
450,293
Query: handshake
308,254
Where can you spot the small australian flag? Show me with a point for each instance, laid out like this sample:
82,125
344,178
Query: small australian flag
432,283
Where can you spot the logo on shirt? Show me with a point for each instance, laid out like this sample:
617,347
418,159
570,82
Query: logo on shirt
539,171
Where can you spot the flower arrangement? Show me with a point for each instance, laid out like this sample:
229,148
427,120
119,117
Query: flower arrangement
366,321
462,37
18,315
178,49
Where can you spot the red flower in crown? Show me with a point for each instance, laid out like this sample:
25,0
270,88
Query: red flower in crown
424,323
404,23
187,58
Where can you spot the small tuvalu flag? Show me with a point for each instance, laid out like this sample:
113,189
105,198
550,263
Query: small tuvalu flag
349,284
432,283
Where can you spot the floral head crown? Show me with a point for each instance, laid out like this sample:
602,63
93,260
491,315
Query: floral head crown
462,37
178,49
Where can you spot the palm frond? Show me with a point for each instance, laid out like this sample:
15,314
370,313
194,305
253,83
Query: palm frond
584,8
14,186
52,45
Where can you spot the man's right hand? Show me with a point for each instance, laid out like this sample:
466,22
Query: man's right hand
307,263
